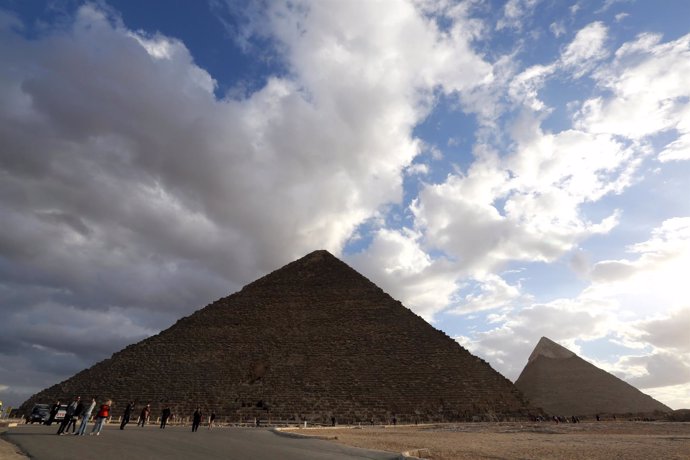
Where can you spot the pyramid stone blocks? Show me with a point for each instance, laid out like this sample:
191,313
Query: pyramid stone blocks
311,340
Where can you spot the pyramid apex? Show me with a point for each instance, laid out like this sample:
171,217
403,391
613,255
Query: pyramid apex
318,254
315,257
549,349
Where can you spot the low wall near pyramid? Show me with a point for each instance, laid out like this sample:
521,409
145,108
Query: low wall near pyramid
310,341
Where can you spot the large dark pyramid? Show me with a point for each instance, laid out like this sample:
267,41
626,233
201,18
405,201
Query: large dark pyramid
562,383
308,341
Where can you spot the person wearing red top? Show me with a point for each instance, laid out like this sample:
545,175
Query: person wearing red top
103,413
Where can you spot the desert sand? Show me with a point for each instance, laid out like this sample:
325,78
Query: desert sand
529,440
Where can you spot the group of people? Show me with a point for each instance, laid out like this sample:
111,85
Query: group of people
76,411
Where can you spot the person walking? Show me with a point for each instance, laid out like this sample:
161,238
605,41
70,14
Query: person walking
68,415
196,419
86,415
211,419
126,416
101,416
165,415
144,415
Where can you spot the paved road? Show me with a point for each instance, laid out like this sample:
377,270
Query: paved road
172,443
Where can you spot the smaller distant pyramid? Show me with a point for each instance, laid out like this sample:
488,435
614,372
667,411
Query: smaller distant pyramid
562,383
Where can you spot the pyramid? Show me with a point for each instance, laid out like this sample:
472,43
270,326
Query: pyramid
311,340
562,383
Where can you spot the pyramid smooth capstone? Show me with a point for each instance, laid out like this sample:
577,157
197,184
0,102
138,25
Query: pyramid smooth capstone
560,382
310,341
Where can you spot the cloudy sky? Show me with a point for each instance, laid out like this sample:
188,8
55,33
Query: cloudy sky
507,169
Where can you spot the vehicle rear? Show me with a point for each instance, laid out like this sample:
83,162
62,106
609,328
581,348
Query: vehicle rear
40,413
62,411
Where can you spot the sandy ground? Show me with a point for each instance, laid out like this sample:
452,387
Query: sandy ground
593,440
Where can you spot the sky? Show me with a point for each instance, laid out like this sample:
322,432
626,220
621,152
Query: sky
506,169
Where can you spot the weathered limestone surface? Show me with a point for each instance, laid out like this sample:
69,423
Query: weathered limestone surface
308,341
562,383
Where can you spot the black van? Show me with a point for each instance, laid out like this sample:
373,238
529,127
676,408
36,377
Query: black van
40,413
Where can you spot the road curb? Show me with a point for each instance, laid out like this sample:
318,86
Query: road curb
415,454
292,434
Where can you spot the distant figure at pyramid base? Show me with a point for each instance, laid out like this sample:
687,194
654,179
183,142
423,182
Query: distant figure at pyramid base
312,341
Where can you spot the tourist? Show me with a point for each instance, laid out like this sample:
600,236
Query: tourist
73,420
332,420
144,415
211,419
85,417
68,415
127,415
53,413
196,419
103,413
165,416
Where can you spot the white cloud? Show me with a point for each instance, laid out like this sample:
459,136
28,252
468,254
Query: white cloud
652,282
609,3
396,263
620,16
586,49
678,149
417,169
648,94
541,187
656,370
515,12
493,293
557,29
577,58
669,332
674,396
524,87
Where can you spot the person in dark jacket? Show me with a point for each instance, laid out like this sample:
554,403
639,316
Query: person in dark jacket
85,416
144,416
77,413
165,415
127,415
68,415
53,413
196,419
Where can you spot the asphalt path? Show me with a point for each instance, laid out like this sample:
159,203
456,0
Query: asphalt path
172,443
